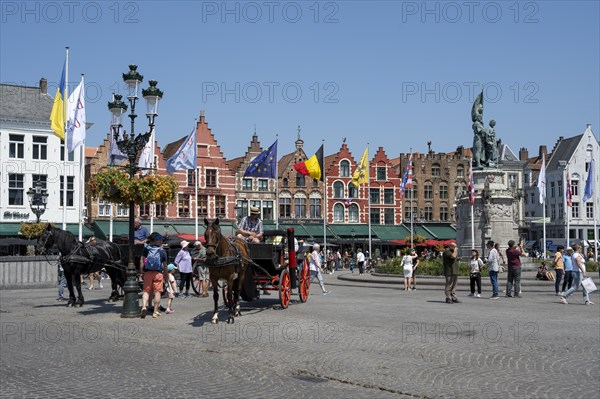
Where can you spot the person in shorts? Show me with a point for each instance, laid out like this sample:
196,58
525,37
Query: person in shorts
171,287
153,279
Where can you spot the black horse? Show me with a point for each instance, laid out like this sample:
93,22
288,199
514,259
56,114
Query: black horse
78,258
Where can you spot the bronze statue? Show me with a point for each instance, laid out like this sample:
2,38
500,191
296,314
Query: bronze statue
485,145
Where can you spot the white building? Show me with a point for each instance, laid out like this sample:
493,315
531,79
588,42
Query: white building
570,157
30,151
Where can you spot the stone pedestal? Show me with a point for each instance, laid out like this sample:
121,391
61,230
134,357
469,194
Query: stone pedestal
495,214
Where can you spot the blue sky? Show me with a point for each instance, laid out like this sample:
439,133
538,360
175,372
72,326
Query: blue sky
393,74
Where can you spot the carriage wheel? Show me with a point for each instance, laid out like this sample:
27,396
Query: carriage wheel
304,286
285,288
196,281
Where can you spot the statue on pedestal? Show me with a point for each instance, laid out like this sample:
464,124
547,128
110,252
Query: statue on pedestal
485,144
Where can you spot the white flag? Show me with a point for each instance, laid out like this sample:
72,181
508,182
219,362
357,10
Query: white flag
146,156
542,181
76,118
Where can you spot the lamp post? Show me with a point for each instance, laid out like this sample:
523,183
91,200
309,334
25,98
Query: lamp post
38,198
130,145
353,234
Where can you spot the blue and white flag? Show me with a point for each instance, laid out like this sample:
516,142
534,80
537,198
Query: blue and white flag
589,183
115,156
185,157
264,165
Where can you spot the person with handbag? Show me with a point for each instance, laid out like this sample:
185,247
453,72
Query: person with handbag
475,277
579,274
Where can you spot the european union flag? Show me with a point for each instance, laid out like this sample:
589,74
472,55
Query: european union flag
264,165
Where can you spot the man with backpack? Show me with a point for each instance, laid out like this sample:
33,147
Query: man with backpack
152,266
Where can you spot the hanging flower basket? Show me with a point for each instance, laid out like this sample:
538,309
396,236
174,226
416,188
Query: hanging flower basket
114,185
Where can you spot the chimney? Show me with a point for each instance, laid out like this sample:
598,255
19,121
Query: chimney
43,86
201,116
523,154
543,151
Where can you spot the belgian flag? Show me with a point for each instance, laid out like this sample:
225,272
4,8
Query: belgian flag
312,167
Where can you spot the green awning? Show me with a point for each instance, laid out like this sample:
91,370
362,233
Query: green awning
417,229
442,232
390,232
345,230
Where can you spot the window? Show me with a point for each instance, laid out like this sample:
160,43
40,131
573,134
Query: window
183,205
122,210
159,210
561,211
338,189
40,147
552,212
353,213
16,146
41,178
15,189
552,190
375,216
191,178
241,209
428,191
414,192
202,206
352,191
443,191
285,207
560,188
70,190
267,210
388,216
104,207
388,196
211,178
575,210
70,156
435,170
220,206
574,187
285,182
315,183
344,169
144,210
460,172
374,194
407,213
428,213
247,184
315,208
300,207
526,179
263,185
299,180
443,212
589,210
381,173
338,213
533,198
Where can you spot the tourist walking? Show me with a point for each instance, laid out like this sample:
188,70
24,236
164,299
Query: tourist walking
183,261
451,271
413,279
199,257
568,262
407,266
171,287
513,278
152,266
493,263
62,282
475,264
559,267
360,259
316,267
579,273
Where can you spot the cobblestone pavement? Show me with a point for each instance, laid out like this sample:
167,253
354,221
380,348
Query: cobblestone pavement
363,340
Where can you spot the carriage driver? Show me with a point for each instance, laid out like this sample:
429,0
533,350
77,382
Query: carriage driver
251,227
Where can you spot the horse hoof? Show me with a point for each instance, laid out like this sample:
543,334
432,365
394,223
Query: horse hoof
230,320
214,321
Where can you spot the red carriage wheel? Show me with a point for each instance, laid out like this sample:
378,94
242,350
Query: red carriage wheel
285,288
304,285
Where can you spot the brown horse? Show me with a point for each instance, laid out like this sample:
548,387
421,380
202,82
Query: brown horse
227,260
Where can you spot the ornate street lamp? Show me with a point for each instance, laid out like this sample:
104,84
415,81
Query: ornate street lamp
38,198
131,145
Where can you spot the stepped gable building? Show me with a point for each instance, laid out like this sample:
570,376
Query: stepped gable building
216,181
383,191
438,180
259,192
343,202
300,197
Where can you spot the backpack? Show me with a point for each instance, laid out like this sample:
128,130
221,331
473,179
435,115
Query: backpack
153,261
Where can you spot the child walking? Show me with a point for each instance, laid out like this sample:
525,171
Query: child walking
476,264
171,287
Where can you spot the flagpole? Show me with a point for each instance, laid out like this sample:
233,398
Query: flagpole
65,150
276,207
196,201
325,213
152,208
412,194
81,176
369,197
542,190
567,210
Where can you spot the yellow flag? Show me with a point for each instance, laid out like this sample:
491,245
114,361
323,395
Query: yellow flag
57,116
361,174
